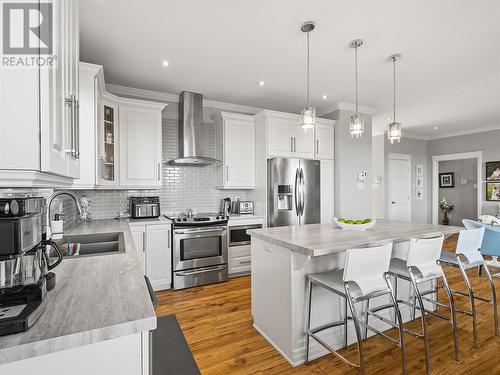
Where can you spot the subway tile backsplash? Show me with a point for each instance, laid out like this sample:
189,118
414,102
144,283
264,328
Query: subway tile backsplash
183,188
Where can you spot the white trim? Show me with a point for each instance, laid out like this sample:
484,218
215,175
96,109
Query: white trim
343,106
32,179
164,96
466,132
435,178
408,158
415,136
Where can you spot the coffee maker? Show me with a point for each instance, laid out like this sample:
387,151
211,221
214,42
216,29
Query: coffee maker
24,263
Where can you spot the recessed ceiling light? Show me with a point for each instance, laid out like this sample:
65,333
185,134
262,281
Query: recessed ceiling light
324,97
165,63
261,83
436,128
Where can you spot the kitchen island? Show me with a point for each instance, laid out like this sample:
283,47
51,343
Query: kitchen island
97,318
283,256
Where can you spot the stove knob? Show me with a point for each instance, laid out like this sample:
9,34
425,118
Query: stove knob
178,219
4,208
217,217
184,219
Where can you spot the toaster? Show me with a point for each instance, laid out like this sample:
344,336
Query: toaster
242,207
144,207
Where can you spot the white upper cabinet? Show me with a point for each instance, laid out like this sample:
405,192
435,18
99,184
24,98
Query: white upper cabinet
280,136
91,87
303,142
324,146
285,138
40,146
235,146
107,151
140,144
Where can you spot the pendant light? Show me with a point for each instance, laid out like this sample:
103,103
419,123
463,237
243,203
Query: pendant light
357,123
394,128
308,114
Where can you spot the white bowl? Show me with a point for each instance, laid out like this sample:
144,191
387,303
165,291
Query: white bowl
354,226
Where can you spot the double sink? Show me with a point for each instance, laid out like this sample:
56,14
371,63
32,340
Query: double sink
96,243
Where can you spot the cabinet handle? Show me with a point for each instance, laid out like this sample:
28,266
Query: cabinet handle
317,146
144,241
245,262
227,173
294,144
69,102
76,122
291,144
159,171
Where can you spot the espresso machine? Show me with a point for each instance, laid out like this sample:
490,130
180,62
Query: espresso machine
25,262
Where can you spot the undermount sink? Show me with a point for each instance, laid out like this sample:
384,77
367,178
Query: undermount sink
96,243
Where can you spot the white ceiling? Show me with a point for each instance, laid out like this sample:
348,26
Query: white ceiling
449,75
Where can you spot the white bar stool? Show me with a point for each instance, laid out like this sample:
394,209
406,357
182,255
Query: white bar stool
422,266
467,256
364,276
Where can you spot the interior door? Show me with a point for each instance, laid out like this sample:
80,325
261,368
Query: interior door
399,189
283,183
310,191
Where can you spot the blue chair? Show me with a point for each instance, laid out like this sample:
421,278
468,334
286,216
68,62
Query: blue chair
491,239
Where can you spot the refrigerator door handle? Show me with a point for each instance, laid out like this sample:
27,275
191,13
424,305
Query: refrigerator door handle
302,191
296,192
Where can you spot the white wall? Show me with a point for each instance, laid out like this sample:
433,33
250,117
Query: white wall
352,156
378,170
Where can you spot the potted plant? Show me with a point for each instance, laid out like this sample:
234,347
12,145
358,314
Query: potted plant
446,207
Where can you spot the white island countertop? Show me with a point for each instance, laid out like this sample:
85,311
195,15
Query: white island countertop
96,298
324,239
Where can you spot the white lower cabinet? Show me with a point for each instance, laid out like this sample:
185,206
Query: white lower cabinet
126,355
239,260
154,247
327,190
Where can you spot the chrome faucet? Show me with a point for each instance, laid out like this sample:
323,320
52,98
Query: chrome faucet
49,202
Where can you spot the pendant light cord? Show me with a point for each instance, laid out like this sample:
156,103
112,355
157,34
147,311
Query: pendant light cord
356,75
394,73
308,69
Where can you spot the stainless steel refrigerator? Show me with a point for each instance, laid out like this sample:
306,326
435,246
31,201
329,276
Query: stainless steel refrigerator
293,192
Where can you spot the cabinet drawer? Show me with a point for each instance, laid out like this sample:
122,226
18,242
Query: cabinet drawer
239,264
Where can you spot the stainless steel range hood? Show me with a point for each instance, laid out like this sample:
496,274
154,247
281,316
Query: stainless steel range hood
190,132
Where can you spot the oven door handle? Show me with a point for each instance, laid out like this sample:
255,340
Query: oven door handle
200,270
195,231
249,226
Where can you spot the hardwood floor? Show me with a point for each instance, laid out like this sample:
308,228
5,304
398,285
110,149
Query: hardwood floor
217,322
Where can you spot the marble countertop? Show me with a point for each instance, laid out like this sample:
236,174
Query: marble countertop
96,298
324,239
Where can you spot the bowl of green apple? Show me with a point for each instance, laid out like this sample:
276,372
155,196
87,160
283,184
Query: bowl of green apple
354,224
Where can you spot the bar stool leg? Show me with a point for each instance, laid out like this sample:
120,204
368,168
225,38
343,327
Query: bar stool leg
493,298
357,328
345,323
308,321
472,303
424,323
366,317
396,296
453,313
414,301
397,313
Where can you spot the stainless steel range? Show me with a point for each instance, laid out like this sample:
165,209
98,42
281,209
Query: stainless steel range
199,249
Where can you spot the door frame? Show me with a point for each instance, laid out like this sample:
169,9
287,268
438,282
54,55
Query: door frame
435,179
407,158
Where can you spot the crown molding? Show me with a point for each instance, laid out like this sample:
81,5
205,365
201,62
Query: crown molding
165,96
466,132
415,136
343,106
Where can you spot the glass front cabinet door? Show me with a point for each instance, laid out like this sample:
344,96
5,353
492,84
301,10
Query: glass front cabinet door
107,138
